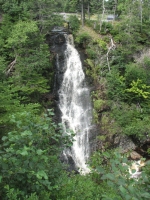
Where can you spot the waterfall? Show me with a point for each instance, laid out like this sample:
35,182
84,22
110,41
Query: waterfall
75,106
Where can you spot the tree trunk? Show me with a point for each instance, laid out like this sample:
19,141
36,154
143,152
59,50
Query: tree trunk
115,8
89,10
141,13
102,18
82,12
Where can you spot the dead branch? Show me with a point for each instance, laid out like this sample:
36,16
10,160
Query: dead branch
10,67
111,47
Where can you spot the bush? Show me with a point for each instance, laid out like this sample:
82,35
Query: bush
83,38
106,28
134,72
102,44
98,104
91,53
29,156
130,120
111,175
116,86
77,187
74,23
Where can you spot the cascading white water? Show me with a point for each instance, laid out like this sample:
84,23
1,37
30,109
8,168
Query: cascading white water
75,105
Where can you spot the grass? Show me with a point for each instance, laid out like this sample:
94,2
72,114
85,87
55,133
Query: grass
90,31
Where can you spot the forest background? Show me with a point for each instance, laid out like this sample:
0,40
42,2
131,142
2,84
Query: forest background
118,65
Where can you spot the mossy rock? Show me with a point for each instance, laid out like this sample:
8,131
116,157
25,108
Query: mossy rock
98,104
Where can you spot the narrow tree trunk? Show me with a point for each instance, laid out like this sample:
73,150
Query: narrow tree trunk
89,10
115,8
82,12
102,18
141,13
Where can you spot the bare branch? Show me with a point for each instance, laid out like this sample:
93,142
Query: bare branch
110,48
10,67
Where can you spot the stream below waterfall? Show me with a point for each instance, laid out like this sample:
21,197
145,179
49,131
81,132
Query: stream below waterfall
75,107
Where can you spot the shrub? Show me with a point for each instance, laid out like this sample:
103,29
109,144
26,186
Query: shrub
74,23
106,28
102,44
98,104
134,72
110,173
29,156
91,53
116,86
83,38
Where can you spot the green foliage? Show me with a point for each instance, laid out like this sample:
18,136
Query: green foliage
20,32
13,194
91,53
23,84
29,153
106,28
16,9
146,63
83,38
98,104
116,85
102,44
132,119
70,6
90,22
93,70
33,150
41,11
74,23
139,90
78,187
133,72
18,90
111,174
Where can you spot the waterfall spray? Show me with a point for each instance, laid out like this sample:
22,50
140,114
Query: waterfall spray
75,106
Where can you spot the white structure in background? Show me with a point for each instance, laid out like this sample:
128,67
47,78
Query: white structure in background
67,15
111,17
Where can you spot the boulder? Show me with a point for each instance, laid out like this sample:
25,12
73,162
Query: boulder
124,143
135,156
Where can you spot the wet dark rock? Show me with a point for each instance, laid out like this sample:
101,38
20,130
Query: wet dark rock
92,138
70,163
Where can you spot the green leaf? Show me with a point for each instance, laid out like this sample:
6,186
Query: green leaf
100,170
146,195
122,189
26,133
108,176
41,174
4,138
39,152
24,153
